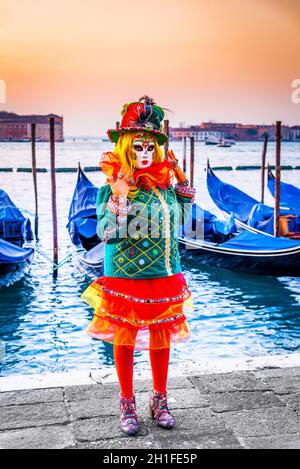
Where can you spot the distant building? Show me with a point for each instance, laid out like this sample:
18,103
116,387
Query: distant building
218,131
227,130
257,132
200,135
16,128
295,133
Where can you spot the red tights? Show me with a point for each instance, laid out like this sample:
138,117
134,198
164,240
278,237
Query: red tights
159,360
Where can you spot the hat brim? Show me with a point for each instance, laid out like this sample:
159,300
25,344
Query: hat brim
114,134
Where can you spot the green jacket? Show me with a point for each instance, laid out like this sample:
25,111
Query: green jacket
146,246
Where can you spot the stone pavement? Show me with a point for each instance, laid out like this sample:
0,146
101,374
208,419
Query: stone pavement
258,409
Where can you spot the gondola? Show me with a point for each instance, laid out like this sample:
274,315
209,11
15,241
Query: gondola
203,236
16,242
248,212
82,224
219,243
289,194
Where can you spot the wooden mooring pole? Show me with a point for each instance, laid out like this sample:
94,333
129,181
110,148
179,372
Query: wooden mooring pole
33,164
184,156
53,193
277,179
166,131
192,158
263,165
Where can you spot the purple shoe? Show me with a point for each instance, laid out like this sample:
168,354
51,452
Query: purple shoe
158,409
128,418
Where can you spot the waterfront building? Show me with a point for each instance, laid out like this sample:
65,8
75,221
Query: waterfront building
17,128
295,133
200,135
216,131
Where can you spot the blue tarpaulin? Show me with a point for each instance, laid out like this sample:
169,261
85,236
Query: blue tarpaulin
84,198
12,220
228,198
247,240
82,207
87,227
202,223
243,207
261,217
10,253
289,194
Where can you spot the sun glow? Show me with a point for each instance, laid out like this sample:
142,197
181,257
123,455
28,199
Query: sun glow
228,60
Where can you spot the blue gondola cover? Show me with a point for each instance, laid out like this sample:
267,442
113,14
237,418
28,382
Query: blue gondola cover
289,194
82,207
203,224
12,222
244,208
11,254
247,241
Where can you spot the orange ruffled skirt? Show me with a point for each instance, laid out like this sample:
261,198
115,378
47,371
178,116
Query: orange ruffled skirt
145,313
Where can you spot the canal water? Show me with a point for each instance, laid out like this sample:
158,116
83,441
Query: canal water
43,321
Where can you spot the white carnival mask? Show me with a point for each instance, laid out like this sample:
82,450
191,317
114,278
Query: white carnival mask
144,152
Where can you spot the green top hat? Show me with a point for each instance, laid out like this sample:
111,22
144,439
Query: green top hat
143,115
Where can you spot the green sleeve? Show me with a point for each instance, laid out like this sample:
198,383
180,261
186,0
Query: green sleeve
106,218
103,195
185,207
101,209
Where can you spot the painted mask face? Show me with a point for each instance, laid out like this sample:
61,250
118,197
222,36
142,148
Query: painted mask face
144,151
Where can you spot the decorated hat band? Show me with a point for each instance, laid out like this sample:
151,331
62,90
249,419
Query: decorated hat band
141,116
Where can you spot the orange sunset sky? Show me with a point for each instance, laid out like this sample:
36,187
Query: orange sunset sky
227,60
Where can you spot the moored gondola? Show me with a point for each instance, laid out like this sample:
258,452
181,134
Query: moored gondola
16,242
289,194
82,225
218,243
248,212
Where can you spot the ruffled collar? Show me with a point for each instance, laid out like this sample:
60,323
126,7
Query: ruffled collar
157,175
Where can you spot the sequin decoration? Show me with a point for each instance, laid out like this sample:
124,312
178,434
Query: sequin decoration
143,322
183,296
167,227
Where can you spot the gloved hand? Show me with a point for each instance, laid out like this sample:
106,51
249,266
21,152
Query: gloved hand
179,174
121,186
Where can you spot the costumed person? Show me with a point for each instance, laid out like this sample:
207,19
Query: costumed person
139,301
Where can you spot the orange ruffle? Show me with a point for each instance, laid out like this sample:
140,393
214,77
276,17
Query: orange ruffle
145,313
156,175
